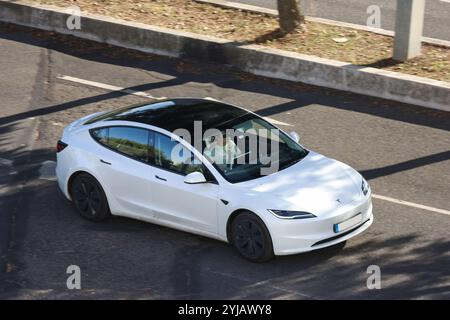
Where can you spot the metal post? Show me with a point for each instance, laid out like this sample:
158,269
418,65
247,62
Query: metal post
408,29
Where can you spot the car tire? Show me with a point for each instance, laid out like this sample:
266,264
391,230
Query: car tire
89,198
250,237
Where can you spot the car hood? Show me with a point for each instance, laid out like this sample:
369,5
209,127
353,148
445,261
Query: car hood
316,184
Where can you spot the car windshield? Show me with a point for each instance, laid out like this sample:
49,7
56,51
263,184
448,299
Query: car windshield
248,147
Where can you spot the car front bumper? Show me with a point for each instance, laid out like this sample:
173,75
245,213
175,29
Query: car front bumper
296,236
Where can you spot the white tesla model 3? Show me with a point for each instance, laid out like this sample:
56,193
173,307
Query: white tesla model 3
132,162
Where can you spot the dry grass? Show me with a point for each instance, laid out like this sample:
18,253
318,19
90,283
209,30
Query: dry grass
361,48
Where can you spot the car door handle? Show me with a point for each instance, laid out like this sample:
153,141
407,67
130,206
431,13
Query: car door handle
105,162
158,177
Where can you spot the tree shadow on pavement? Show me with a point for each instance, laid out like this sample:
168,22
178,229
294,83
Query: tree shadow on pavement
406,165
269,36
123,257
382,63
223,76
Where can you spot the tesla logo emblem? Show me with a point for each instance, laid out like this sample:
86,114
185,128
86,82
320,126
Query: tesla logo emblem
338,200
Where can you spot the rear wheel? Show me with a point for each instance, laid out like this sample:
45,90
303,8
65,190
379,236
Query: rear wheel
89,198
251,238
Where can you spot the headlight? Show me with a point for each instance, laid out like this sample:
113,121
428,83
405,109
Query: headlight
285,214
364,187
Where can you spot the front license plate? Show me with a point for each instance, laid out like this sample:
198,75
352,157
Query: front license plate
347,224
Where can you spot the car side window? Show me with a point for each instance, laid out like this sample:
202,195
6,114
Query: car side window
133,142
173,156
101,135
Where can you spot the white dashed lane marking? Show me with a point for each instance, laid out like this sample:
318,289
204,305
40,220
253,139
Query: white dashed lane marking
47,170
138,93
411,204
8,164
109,87
276,122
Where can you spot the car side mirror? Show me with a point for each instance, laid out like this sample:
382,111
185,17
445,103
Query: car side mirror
294,135
195,178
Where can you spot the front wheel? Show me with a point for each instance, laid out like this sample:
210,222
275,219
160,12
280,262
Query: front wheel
250,237
89,198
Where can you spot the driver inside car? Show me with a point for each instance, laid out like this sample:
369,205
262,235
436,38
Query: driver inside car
221,150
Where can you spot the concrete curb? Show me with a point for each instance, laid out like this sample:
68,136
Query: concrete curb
274,13
255,59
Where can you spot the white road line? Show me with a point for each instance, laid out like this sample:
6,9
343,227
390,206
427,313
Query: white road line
109,87
411,204
276,122
146,95
6,162
9,165
47,170
139,93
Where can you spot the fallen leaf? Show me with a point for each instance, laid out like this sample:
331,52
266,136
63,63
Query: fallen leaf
340,40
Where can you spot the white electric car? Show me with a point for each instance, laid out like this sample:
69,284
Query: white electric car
133,162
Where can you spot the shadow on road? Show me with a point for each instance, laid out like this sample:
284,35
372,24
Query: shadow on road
127,258
301,95
122,255
406,165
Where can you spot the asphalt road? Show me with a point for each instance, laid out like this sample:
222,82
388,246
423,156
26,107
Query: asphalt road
402,150
437,13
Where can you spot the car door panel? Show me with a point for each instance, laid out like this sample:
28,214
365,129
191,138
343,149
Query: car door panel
128,180
190,205
193,206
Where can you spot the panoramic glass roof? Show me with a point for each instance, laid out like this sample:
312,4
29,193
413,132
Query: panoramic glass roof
176,113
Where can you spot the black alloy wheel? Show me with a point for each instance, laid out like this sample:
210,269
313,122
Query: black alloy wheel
251,238
89,198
